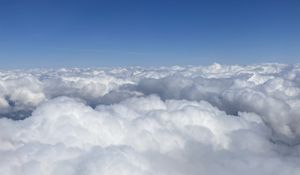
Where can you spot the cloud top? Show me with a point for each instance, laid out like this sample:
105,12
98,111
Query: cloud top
167,120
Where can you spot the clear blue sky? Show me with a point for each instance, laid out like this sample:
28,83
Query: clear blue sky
90,33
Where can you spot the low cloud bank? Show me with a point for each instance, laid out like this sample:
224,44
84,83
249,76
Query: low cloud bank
168,120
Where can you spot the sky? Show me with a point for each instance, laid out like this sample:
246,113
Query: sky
90,33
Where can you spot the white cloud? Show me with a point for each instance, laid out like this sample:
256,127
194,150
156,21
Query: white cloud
170,120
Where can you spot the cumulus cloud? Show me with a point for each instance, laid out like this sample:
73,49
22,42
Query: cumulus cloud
169,120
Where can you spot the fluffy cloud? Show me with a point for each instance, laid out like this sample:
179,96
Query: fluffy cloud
168,120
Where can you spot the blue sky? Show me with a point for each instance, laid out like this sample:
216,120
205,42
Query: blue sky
90,33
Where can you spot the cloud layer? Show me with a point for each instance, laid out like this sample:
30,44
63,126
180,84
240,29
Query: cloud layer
169,120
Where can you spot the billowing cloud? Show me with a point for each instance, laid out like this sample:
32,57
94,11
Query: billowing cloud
170,120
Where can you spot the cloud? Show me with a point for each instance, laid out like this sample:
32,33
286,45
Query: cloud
168,120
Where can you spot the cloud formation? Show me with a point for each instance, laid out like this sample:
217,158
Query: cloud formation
167,120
